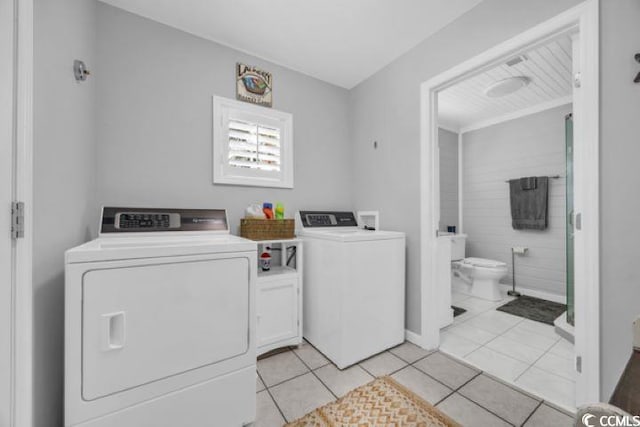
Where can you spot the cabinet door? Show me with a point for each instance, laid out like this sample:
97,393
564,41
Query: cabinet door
277,307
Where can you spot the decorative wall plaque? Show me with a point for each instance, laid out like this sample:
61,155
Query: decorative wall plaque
253,85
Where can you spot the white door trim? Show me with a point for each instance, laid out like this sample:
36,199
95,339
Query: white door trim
22,381
585,19
548,105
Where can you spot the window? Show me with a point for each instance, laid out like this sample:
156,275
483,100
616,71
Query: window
252,145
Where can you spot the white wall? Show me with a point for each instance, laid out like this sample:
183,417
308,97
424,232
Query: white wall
154,125
449,203
386,108
620,175
64,156
533,145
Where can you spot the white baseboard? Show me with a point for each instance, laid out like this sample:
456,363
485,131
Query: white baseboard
562,299
413,338
564,329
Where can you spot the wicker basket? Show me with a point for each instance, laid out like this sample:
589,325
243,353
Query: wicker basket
267,229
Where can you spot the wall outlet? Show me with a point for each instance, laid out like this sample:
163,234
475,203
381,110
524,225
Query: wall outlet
519,250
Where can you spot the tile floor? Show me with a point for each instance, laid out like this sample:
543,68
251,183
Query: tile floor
519,351
300,379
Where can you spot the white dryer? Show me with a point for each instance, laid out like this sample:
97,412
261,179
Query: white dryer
159,318
354,300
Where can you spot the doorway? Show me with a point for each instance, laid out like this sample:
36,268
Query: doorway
582,20
16,172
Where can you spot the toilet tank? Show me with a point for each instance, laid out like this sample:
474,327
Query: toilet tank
458,244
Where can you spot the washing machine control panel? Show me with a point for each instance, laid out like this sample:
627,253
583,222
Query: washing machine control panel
328,219
147,220
320,220
135,220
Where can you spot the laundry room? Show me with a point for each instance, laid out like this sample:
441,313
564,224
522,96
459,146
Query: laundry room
147,133
229,216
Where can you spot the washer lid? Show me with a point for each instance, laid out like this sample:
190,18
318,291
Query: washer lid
350,234
483,262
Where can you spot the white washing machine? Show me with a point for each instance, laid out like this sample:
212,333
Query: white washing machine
160,322
354,299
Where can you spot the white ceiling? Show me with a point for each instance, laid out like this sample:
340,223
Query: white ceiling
549,68
339,41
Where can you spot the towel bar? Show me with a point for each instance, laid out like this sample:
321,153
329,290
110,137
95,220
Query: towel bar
550,177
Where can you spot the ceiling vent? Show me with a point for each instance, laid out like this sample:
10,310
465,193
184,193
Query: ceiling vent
517,60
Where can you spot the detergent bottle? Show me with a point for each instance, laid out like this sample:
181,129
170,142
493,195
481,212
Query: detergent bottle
267,208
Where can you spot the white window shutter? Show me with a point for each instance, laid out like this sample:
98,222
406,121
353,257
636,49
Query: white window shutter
253,145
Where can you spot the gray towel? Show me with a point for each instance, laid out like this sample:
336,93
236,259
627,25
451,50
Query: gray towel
529,206
529,183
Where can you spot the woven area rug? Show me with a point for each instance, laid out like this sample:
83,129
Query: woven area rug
536,309
382,402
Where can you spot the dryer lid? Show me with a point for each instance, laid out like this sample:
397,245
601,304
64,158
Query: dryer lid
483,262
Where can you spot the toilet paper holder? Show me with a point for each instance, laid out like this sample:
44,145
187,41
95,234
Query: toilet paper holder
516,250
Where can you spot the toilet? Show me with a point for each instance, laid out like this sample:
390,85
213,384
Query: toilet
480,277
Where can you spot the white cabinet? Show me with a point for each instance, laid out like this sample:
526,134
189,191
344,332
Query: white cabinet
279,297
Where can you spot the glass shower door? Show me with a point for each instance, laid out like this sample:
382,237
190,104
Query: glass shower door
569,218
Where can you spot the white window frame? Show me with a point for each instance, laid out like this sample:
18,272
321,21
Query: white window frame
223,109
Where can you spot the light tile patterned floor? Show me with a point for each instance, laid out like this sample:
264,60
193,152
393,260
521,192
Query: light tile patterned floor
466,394
522,352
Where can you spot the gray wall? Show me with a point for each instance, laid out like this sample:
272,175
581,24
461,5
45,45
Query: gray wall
449,203
620,174
528,146
154,124
64,165
386,108
383,108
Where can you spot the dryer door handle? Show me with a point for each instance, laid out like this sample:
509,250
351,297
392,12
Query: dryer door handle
114,331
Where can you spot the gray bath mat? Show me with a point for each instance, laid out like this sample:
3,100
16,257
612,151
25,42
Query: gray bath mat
536,309
457,311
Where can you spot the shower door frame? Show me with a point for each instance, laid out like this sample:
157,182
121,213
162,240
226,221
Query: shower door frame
584,19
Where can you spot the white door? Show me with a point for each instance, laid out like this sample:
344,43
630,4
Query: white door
6,190
277,308
147,322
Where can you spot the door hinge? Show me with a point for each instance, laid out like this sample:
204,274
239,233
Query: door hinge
579,364
17,220
577,80
578,221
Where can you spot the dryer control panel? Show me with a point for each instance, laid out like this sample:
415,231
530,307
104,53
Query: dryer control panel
328,219
136,220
